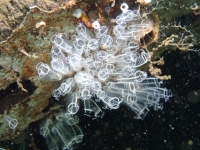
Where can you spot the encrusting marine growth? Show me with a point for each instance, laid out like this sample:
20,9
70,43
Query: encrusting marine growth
102,68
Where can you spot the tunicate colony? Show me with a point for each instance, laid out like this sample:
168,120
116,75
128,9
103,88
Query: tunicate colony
100,68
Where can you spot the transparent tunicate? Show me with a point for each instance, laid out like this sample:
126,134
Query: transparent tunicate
51,142
103,74
81,29
75,62
101,31
56,93
139,58
12,123
60,42
112,102
98,64
47,73
96,86
121,41
65,88
133,46
56,51
124,60
71,121
113,49
93,44
128,15
101,55
110,58
63,133
83,79
44,131
128,71
68,118
72,106
106,41
119,30
85,93
140,76
110,68
91,107
123,71
79,46
59,66
82,34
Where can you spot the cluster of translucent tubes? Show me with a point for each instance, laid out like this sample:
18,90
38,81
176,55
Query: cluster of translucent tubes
62,134
104,67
